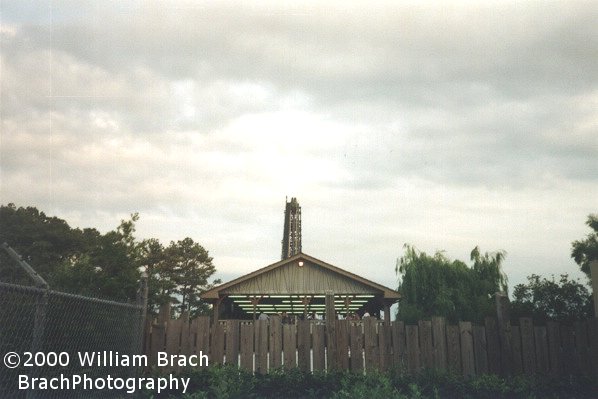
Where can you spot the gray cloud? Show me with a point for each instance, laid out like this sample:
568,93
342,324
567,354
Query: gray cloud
442,125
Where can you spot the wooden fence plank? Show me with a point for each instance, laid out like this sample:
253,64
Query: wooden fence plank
173,340
582,347
467,354
371,352
385,349
304,345
247,339
467,349
158,339
217,343
147,339
568,347
275,338
342,344
479,349
319,342
203,335
453,346
439,342
593,340
261,346
398,346
356,342
425,343
492,345
193,332
173,336
542,361
504,333
232,342
554,348
289,345
413,352
517,364
330,331
528,350
185,348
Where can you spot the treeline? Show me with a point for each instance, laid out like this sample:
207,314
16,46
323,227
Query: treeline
87,262
434,285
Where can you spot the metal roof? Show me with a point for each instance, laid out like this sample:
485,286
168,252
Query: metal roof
300,274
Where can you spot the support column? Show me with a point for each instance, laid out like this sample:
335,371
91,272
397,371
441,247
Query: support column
217,309
594,278
386,313
330,311
305,301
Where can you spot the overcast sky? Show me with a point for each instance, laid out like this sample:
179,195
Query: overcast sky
445,126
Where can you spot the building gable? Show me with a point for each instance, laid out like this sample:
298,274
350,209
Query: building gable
308,279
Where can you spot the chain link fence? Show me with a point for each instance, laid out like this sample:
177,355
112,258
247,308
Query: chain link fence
71,335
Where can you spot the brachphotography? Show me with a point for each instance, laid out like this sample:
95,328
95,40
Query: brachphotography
108,383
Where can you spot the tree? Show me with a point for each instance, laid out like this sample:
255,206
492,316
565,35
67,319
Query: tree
437,286
104,265
107,269
191,267
543,299
161,284
44,242
585,251
78,261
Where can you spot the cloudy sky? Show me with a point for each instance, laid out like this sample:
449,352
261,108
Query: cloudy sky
445,125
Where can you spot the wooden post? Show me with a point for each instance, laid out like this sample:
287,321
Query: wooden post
331,355
142,295
594,278
217,309
504,332
330,312
386,313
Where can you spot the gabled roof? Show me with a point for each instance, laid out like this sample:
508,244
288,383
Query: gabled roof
287,277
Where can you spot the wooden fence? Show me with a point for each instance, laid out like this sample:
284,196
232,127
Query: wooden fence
369,344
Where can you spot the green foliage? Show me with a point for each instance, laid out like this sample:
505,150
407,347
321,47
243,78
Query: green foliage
106,269
44,242
104,265
191,267
230,382
585,251
73,260
178,273
543,299
437,286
